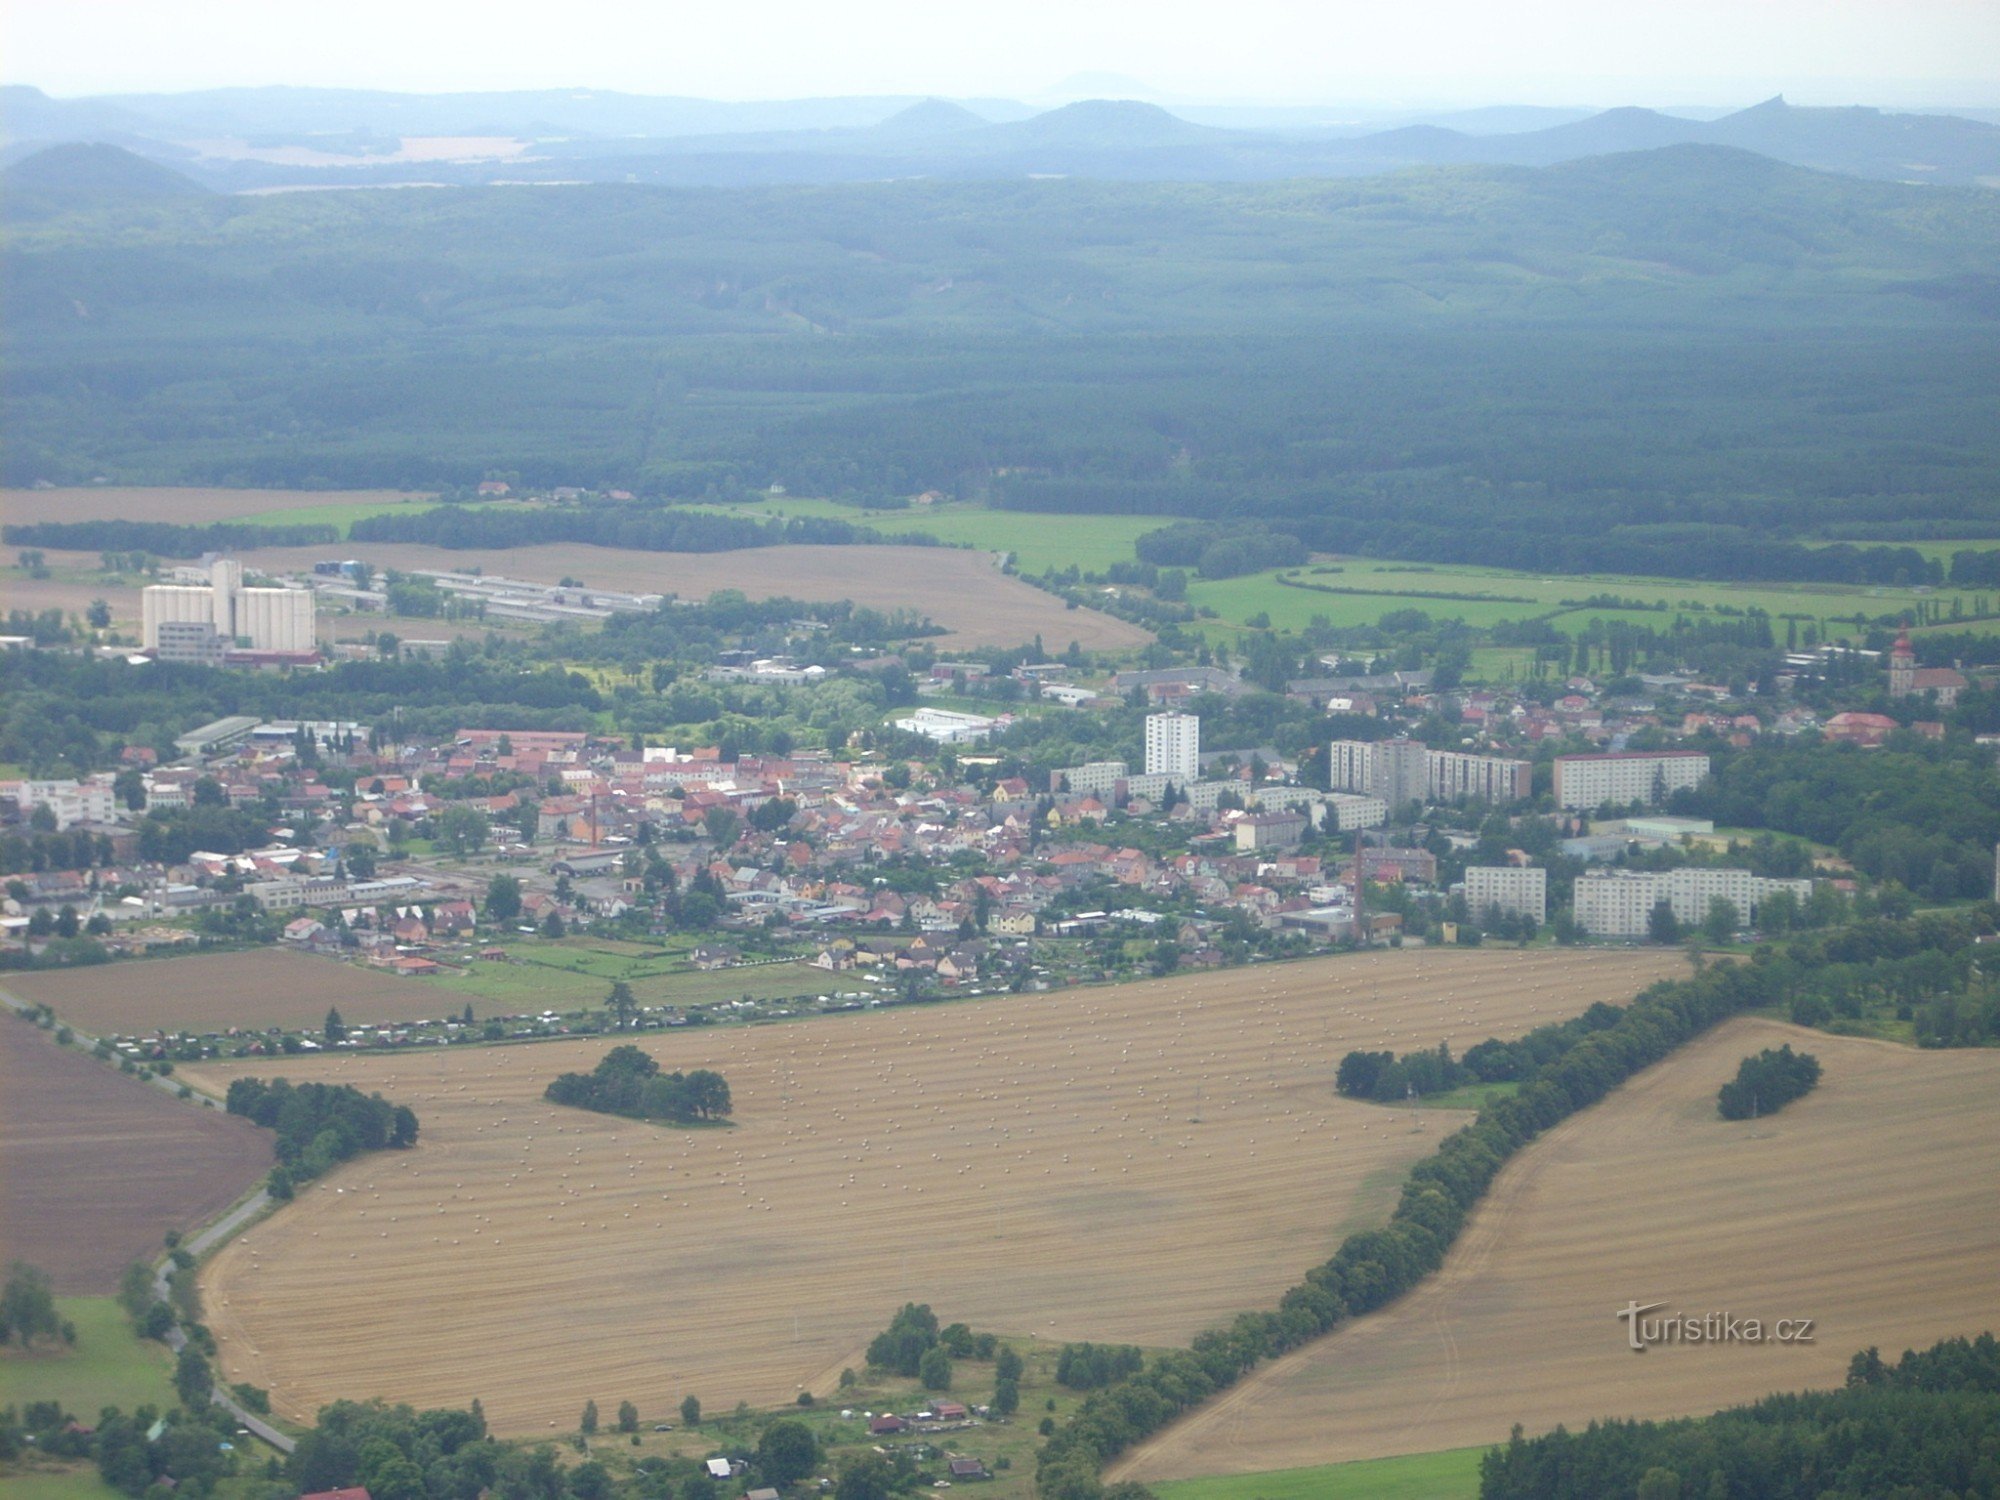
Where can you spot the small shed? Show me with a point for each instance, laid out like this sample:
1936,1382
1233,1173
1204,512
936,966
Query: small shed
886,1425
969,1468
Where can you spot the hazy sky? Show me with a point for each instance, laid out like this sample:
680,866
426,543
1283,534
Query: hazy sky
1423,51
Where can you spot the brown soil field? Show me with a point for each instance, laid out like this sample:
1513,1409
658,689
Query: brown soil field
961,590
95,1166
1872,1206
214,991
1129,1163
190,506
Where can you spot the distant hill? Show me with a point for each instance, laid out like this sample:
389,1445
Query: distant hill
592,135
930,117
88,178
1098,124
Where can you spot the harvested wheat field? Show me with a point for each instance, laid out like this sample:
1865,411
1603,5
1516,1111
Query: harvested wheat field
259,988
1872,1206
95,1167
1128,1163
191,505
963,591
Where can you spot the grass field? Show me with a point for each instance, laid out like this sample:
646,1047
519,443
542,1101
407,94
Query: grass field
68,1482
1373,587
1038,541
215,991
192,505
95,1167
1869,1206
109,1366
1450,1475
1131,1163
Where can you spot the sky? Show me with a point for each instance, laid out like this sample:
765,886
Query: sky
1188,51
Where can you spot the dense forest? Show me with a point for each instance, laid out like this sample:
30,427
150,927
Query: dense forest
1681,360
1922,1426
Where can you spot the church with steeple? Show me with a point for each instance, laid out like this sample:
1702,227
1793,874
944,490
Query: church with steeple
1908,680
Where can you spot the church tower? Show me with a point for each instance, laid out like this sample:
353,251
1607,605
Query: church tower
1902,667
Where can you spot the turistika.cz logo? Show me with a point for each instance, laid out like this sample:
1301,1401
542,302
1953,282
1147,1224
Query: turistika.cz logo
1643,1332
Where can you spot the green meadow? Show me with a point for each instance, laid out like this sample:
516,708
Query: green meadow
1452,1474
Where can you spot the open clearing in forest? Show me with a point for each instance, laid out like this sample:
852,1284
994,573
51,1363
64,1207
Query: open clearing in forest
214,991
1872,1205
961,590
1128,1163
96,1166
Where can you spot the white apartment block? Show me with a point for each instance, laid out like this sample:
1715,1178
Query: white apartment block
1354,811
1096,778
1402,771
1619,903
1517,890
1482,778
1173,746
1647,776
69,802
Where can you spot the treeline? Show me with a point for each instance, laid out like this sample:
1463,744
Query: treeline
72,849
1920,972
1385,1078
1923,816
1923,1426
1766,1083
628,1082
609,524
1086,1366
64,710
1582,1063
192,1455
1220,551
165,538
319,1125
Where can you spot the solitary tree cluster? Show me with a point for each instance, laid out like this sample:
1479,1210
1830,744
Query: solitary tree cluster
1766,1083
628,1082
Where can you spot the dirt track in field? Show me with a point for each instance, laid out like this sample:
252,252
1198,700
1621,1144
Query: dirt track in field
215,991
1129,1164
95,1166
1872,1206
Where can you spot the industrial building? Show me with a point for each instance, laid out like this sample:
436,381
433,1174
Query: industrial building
173,617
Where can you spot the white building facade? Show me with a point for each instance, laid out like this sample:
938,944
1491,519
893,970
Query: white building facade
1619,903
1645,776
1173,746
1516,890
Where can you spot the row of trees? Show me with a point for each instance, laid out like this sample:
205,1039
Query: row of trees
1580,1062
1766,1083
320,1125
629,1082
1923,1426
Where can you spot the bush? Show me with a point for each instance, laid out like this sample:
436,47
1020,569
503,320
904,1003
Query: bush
1766,1083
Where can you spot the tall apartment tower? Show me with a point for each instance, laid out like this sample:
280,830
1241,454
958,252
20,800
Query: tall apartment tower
1173,746
1402,773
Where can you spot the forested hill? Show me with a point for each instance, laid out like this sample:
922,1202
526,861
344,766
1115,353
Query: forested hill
1690,336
